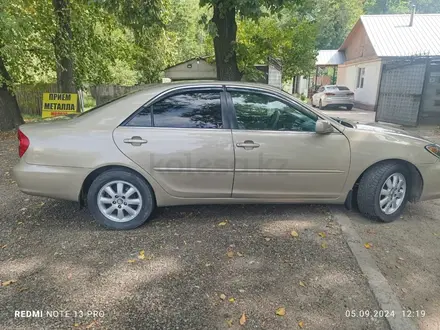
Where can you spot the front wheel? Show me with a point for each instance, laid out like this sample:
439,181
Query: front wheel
320,105
120,199
349,107
384,190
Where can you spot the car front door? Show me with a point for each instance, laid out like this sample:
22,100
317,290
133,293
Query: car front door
184,142
278,155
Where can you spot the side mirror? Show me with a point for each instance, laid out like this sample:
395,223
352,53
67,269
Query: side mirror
323,127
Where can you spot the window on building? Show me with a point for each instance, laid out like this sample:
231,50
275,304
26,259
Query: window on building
360,78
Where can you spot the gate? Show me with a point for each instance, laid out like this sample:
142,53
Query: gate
400,92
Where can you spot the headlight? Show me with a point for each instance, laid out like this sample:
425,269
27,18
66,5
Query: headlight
433,149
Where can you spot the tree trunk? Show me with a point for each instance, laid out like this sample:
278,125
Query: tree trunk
10,116
224,44
63,47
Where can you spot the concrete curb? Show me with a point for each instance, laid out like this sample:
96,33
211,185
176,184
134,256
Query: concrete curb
380,287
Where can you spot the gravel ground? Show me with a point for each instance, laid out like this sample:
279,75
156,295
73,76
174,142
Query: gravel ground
61,260
407,253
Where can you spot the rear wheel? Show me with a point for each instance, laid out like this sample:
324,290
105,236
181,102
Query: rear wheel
320,105
349,107
384,190
120,199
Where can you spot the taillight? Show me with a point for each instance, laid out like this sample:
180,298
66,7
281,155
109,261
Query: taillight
350,94
330,94
24,143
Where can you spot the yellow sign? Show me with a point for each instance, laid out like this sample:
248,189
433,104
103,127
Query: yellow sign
59,104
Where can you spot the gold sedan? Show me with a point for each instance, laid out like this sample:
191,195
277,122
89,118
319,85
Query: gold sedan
222,142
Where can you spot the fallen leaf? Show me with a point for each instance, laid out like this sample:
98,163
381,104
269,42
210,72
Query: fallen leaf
435,234
4,246
243,319
76,324
141,255
131,261
301,324
229,323
22,289
6,283
368,245
322,234
230,254
280,311
222,296
239,254
324,245
404,290
231,300
92,324
293,233
302,283
223,223
401,259
267,239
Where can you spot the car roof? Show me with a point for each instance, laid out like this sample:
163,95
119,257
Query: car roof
160,88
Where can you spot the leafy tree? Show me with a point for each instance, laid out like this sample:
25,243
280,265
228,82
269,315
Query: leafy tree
287,36
16,53
401,6
335,19
225,28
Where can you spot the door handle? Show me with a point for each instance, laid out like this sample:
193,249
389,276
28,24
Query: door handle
135,140
247,145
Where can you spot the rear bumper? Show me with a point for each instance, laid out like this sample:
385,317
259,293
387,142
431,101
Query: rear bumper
431,181
50,181
337,102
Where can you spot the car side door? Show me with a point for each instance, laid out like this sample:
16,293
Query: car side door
278,154
184,141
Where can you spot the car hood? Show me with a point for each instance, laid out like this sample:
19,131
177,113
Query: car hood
387,129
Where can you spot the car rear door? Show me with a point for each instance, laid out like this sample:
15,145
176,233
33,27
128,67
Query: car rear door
184,142
278,154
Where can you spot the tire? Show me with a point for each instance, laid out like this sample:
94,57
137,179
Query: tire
370,187
349,107
320,105
140,200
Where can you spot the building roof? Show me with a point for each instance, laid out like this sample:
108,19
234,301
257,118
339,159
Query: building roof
330,57
391,35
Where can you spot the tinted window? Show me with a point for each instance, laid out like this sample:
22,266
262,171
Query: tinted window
189,110
142,118
263,112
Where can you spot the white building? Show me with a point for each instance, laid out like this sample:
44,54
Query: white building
379,39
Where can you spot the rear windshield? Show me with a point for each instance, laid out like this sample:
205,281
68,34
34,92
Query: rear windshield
335,88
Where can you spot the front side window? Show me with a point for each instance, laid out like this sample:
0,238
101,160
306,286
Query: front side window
256,111
189,110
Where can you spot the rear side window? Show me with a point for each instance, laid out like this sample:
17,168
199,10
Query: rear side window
195,109
189,110
142,118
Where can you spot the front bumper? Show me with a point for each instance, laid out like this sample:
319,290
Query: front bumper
431,181
50,181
